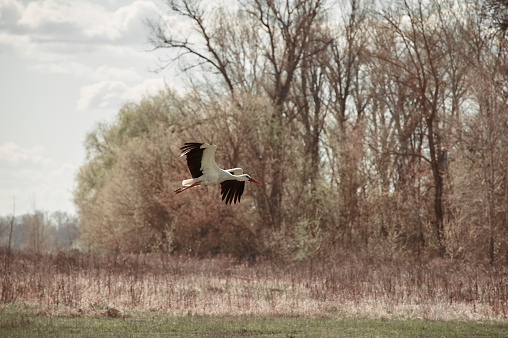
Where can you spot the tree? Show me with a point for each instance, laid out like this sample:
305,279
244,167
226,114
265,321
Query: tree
347,91
485,140
35,229
378,133
424,61
281,38
119,187
67,228
11,228
497,10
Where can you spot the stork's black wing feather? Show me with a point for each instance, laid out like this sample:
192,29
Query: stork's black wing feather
232,190
194,155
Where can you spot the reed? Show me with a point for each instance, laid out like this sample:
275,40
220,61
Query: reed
122,285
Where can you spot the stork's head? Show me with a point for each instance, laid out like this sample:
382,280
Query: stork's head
251,179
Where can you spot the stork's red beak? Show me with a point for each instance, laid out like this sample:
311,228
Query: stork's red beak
253,180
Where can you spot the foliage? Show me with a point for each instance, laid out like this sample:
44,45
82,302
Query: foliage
378,129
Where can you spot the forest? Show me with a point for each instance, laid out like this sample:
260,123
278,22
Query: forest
39,232
379,130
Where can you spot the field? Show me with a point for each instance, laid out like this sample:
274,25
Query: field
159,294
151,325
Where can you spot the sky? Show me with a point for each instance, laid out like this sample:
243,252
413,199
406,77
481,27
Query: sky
64,66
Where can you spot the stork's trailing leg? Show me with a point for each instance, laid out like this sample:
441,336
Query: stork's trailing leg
179,190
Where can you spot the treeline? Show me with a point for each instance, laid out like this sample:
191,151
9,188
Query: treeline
376,128
39,232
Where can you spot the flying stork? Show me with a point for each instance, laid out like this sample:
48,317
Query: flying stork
204,171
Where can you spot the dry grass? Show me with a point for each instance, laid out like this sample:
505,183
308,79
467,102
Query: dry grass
79,284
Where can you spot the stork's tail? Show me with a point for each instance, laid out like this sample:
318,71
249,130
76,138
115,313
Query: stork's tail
188,182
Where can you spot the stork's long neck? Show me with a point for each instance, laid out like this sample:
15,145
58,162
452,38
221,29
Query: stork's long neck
243,177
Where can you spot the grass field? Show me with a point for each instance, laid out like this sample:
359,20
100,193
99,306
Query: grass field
154,325
140,295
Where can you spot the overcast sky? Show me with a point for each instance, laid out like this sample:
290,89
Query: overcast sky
64,65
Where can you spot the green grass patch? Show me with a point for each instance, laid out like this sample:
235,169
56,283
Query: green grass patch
158,325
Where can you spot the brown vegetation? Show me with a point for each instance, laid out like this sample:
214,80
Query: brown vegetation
378,129
123,285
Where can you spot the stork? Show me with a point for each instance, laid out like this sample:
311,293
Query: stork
204,171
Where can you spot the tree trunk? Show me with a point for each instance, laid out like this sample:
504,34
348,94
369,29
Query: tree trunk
8,258
436,163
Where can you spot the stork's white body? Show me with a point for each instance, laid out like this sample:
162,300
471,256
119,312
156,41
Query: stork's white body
204,170
217,177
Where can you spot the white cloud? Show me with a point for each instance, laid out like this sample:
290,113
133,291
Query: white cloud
29,175
114,73
81,70
87,19
37,14
113,94
126,22
12,154
63,37
10,12
95,45
147,87
63,68
103,94
13,41
50,30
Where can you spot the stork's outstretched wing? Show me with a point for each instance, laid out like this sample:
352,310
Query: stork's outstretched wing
200,157
235,171
232,190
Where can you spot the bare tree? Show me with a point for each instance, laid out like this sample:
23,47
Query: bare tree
281,37
11,228
431,78
382,132
497,10
347,83
67,228
485,140
35,229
